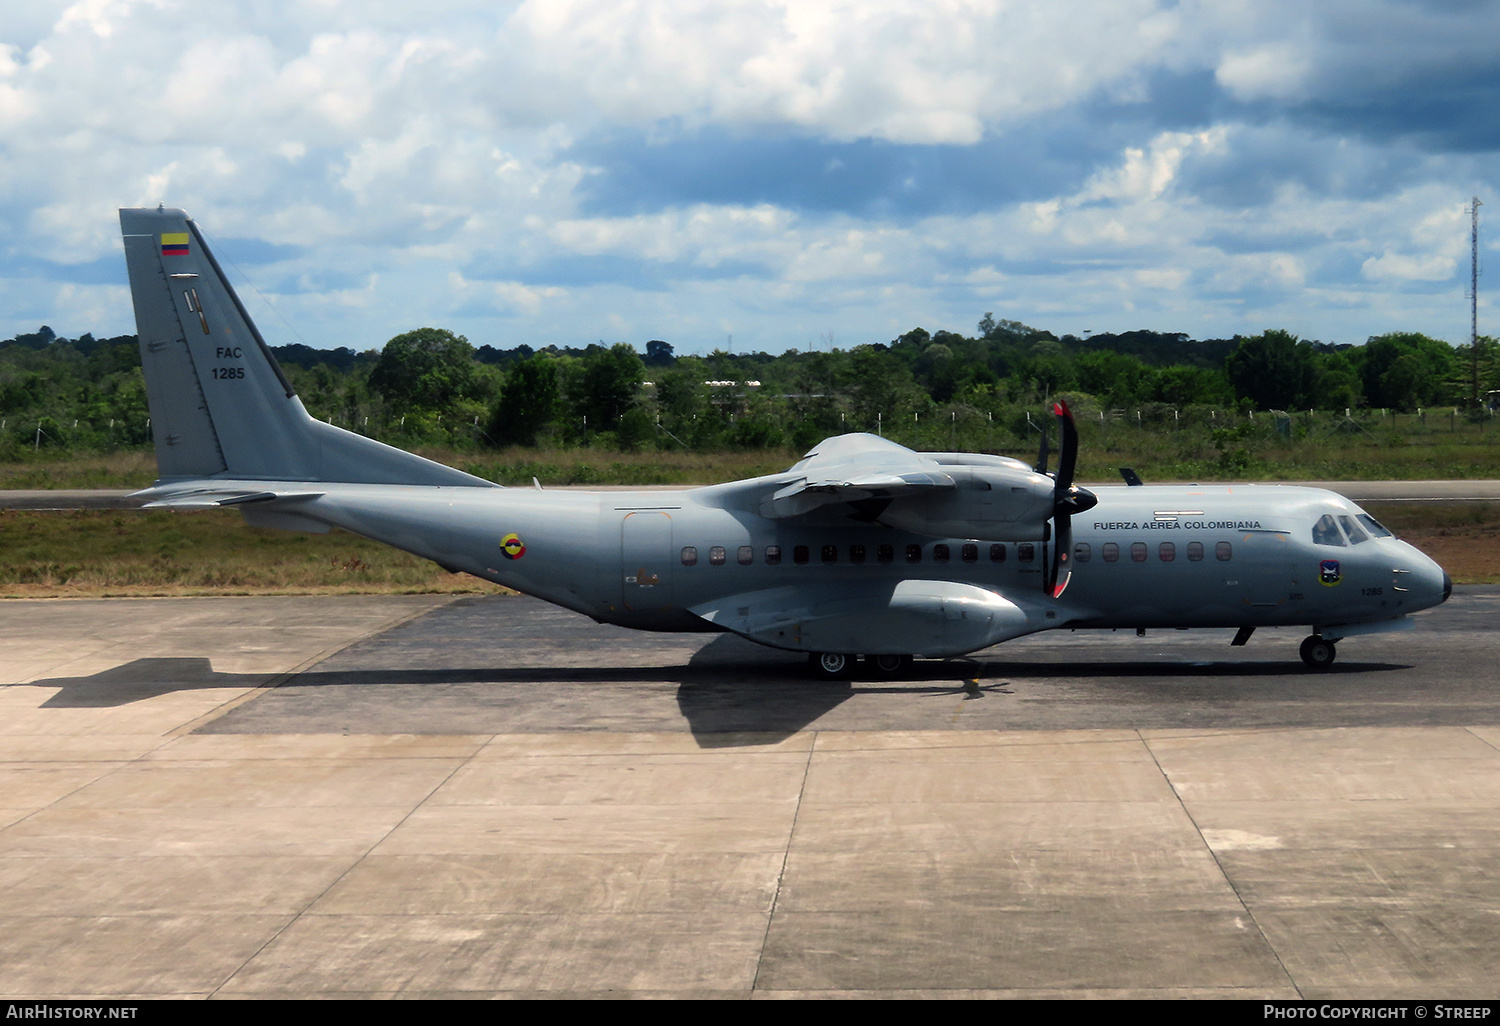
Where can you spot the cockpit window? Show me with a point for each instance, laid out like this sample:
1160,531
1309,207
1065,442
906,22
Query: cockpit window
1352,530
1326,532
1373,526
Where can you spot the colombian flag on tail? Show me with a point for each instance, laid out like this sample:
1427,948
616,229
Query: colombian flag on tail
174,243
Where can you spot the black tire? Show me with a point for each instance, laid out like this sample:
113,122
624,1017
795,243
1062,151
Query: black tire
831,665
1317,652
887,666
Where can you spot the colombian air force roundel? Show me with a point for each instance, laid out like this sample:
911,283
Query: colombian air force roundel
511,546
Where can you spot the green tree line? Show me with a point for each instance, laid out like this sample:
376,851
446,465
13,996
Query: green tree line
432,387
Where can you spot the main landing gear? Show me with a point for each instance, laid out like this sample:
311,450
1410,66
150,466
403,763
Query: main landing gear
840,666
1317,652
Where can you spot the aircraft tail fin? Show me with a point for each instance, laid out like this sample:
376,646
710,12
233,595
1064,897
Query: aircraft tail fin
220,405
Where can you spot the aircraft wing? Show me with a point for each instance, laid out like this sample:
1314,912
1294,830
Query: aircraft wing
851,468
953,494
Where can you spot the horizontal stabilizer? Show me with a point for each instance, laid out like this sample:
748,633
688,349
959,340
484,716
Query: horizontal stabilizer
211,497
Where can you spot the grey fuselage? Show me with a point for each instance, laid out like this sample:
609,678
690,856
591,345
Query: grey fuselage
696,559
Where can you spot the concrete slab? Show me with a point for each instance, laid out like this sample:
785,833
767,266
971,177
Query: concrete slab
474,830
476,955
197,885
1018,880
1386,954
948,948
996,827
146,956
557,883
626,780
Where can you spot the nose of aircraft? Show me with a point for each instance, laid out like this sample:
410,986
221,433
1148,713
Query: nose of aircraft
1430,583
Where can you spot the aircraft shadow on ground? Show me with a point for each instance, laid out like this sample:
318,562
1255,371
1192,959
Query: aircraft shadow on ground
728,686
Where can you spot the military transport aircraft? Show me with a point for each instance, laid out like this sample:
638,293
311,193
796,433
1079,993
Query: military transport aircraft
864,548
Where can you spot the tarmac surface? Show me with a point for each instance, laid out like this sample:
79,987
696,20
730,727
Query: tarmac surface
423,797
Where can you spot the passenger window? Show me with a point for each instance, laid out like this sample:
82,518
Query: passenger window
940,553
997,553
800,554
1166,552
886,553
1352,530
1026,552
1195,551
1326,532
1138,552
689,555
914,553
1110,551
1223,552
773,555
1082,552
830,553
971,553
856,553
716,555
747,555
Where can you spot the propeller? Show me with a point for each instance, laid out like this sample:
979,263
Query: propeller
1067,499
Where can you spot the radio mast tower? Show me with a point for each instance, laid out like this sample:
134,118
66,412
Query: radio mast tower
1474,292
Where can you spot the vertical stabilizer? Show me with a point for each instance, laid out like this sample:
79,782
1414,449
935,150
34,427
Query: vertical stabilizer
220,405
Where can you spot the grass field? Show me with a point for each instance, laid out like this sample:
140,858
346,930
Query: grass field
1372,447
101,553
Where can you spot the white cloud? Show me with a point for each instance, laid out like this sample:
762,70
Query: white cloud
1404,267
1275,72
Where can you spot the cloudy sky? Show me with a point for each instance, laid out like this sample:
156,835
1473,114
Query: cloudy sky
791,173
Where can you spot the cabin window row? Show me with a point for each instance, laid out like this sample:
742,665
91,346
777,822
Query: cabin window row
1140,552
802,555
1083,552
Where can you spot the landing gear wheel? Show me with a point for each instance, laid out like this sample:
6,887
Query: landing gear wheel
887,666
831,665
1316,652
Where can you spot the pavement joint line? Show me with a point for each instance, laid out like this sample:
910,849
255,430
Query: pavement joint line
277,680
1482,740
1228,880
786,854
354,863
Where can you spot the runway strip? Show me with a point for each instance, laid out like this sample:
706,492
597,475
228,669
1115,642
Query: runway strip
492,798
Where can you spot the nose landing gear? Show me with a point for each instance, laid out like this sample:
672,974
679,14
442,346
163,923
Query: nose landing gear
1317,652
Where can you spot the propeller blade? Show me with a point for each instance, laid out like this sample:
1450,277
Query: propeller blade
1068,458
1067,499
1062,563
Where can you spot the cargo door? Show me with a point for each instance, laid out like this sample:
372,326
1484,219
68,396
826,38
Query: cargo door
646,561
